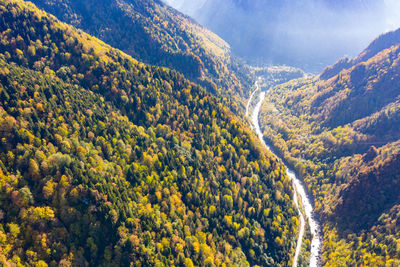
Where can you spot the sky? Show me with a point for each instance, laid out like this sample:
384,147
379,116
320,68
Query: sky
392,14
310,34
188,7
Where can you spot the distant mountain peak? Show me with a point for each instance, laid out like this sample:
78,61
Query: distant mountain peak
379,44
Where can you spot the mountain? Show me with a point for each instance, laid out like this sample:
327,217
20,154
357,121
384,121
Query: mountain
385,41
342,135
309,34
107,161
154,33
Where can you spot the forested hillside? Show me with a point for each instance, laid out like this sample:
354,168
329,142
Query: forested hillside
342,135
382,42
154,33
106,161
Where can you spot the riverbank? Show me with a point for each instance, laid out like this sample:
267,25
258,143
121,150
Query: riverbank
299,189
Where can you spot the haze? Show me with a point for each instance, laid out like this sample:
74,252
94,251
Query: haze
310,34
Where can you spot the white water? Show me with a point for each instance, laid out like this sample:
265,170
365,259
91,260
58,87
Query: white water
299,189
251,97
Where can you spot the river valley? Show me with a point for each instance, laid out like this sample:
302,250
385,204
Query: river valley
300,197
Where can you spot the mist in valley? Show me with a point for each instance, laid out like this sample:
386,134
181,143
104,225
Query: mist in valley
310,34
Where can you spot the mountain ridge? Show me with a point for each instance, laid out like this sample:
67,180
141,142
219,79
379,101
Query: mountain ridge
159,35
382,42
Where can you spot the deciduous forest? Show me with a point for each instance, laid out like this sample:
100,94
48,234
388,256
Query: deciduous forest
130,136
108,161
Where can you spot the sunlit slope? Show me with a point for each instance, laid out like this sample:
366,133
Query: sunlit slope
342,134
106,161
157,34
385,41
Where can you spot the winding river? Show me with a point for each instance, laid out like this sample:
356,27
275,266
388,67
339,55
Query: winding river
299,189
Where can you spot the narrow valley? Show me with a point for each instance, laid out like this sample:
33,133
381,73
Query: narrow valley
303,201
133,135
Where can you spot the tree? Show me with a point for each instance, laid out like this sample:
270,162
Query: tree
34,171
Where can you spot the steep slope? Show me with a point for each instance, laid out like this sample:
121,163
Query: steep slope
382,42
342,135
359,91
106,161
156,34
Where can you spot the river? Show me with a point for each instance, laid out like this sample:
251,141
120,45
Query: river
299,190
